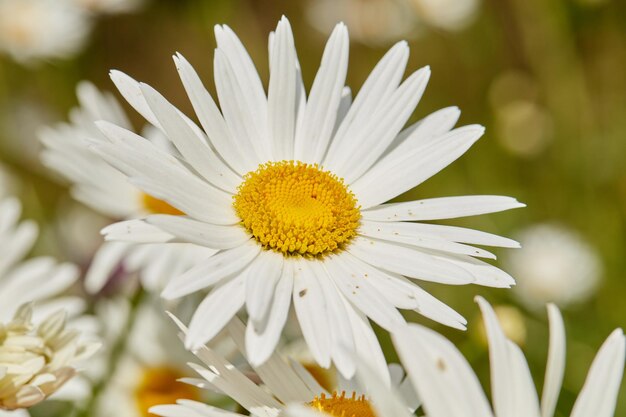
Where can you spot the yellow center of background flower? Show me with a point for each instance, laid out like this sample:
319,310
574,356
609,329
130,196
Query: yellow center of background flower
160,385
297,209
155,206
342,406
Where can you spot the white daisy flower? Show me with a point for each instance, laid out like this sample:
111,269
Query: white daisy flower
557,265
41,29
105,190
37,356
40,279
448,387
290,191
37,359
148,371
284,387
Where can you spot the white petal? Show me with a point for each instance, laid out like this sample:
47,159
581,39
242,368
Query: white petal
394,288
15,245
484,273
456,234
200,233
161,175
380,84
215,311
136,231
130,90
36,279
234,384
239,116
408,261
512,387
260,345
262,277
599,394
385,401
441,208
367,345
442,377
343,347
186,410
354,285
301,410
209,115
424,132
104,263
556,363
310,306
313,136
245,75
190,142
344,106
436,310
276,374
379,131
219,266
405,234
392,176
282,92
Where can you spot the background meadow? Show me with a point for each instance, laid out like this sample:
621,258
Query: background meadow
546,77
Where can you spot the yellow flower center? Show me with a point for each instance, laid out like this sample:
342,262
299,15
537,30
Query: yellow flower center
155,206
342,406
297,209
160,385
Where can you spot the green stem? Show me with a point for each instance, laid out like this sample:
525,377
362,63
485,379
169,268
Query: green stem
116,352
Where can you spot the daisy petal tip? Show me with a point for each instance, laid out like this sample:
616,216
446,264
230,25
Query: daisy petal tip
480,300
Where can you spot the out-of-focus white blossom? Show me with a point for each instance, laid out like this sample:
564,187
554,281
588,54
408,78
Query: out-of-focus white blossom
37,359
555,265
450,15
373,22
41,29
148,372
109,6
524,126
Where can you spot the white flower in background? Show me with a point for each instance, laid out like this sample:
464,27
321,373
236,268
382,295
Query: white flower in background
451,15
524,127
373,22
41,29
36,360
109,6
149,370
290,191
556,265
448,387
108,192
284,387
39,279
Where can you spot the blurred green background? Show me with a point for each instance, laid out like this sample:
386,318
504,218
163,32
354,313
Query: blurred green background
546,77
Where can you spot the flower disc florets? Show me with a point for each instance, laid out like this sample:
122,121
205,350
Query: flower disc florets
297,209
342,406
